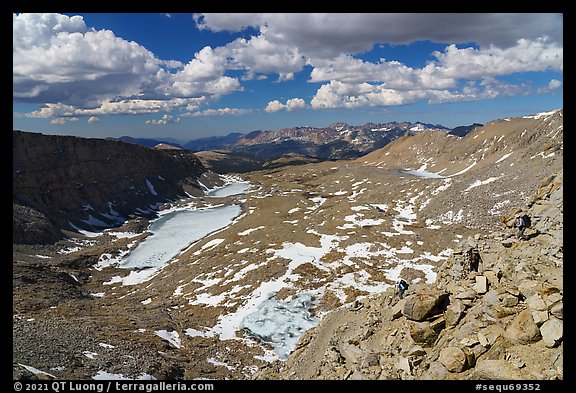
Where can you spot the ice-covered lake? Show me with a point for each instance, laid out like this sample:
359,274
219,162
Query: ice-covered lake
281,323
420,173
229,190
174,231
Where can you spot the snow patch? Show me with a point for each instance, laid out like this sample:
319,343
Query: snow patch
250,230
505,156
104,375
541,115
212,243
151,187
172,337
35,371
481,182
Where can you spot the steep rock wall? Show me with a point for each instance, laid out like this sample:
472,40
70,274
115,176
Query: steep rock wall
92,182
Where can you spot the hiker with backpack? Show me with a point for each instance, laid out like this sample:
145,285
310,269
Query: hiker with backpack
473,259
402,286
522,222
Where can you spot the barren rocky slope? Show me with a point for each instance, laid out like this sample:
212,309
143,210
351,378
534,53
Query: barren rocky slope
504,322
341,232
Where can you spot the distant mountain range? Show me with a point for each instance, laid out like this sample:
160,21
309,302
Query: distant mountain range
337,141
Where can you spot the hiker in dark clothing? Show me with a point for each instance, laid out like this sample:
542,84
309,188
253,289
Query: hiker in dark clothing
521,225
473,258
402,287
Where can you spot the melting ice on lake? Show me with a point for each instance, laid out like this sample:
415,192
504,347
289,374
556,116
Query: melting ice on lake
174,231
280,323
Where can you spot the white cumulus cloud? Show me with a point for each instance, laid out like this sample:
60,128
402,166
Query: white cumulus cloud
258,55
58,59
119,107
290,105
554,84
164,120
220,112
62,120
526,55
60,62
74,70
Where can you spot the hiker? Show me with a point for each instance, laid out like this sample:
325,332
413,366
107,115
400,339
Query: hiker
473,258
521,223
402,287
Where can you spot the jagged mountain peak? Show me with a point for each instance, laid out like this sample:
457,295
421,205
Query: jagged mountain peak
339,126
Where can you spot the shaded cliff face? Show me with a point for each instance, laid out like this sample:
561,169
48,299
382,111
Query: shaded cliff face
91,183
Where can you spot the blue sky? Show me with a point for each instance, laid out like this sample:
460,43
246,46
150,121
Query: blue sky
187,76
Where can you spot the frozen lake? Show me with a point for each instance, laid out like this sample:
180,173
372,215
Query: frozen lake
229,190
281,323
174,231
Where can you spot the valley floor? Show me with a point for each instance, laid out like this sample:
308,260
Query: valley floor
336,232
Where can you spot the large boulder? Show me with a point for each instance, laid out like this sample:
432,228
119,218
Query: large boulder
352,353
396,311
453,358
481,284
422,333
528,288
437,371
557,310
454,313
497,370
523,329
535,302
422,305
552,332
